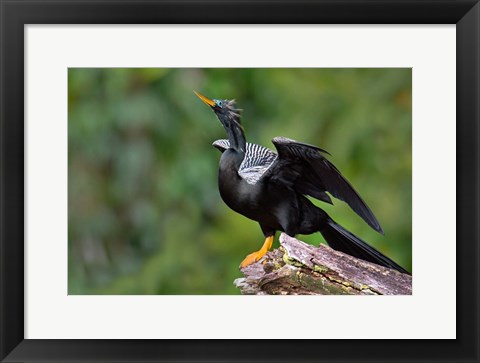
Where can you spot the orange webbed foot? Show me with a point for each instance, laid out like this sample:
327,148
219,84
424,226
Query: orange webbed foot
251,258
256,256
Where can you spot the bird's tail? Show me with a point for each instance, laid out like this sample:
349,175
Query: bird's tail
342,240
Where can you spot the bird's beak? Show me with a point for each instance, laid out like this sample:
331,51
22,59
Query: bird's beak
207,100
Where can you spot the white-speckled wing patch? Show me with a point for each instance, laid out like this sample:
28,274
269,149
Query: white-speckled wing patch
256,162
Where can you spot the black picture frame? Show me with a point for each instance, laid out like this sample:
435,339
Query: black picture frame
15,14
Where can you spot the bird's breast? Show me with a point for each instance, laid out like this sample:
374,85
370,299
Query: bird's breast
233,191
256,202
240,196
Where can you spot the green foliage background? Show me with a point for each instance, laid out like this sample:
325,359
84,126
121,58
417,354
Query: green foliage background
145,216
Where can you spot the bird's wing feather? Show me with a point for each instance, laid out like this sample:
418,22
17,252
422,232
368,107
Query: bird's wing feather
303,168
256,162
257,156
221,144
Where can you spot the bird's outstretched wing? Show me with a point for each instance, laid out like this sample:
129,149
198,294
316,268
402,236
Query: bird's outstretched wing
303,168
257,161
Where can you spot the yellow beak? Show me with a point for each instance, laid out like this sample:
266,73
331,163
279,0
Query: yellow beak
207,100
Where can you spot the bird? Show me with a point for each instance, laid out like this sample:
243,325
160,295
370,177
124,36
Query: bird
272,188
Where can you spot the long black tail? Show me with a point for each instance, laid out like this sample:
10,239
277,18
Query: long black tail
342,240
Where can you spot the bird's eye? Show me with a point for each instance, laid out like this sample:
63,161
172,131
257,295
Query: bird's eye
219,103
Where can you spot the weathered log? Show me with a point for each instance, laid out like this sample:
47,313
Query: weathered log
297,268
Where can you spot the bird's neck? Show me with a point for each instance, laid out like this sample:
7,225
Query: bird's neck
236,137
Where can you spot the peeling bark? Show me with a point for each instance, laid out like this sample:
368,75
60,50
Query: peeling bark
297,268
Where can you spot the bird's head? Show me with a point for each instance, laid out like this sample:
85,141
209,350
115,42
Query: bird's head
226,110
229,115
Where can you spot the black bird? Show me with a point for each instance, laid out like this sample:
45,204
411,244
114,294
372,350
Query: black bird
271,188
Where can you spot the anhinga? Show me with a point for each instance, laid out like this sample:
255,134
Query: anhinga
271,188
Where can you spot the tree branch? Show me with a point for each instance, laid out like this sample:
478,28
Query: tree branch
297,268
